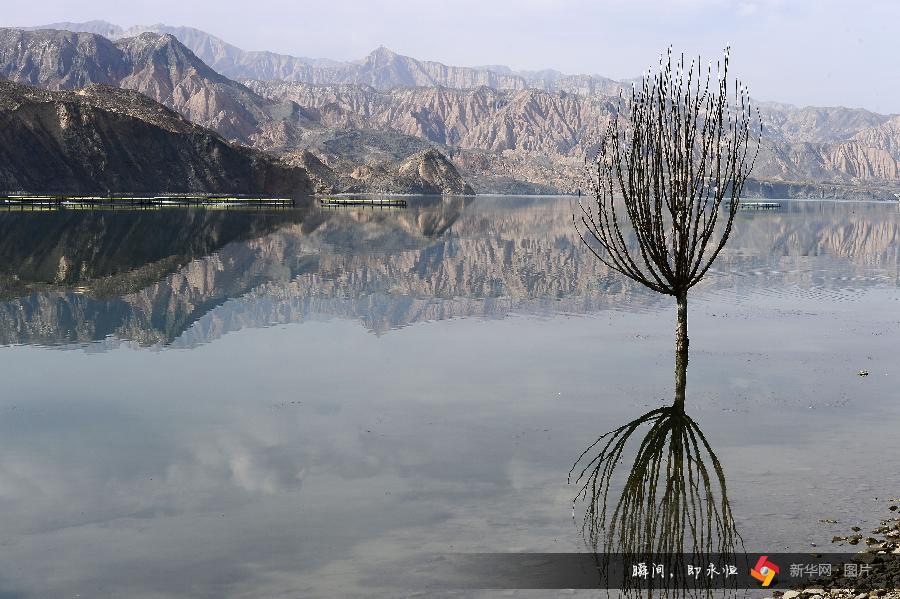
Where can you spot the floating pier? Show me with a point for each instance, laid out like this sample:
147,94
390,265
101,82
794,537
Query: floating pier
744,205
374,202
76,201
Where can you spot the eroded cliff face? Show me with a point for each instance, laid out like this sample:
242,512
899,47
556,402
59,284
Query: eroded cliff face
481,119
847,162
101,139
540,138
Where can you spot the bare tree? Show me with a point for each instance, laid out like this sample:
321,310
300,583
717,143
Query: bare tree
675,155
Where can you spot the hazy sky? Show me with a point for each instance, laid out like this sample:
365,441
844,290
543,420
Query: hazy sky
805,52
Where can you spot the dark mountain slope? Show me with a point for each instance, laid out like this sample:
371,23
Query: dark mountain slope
101,139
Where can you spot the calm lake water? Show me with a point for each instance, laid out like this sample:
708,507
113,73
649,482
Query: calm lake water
302,403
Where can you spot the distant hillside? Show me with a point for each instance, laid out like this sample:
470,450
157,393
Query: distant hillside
382,69
225,58
541,137
101,139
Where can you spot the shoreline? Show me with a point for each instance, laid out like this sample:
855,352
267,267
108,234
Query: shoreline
883,579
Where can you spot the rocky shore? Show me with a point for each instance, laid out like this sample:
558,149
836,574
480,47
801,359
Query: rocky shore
880,555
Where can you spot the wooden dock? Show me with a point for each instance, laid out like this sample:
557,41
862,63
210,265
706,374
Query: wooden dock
373,202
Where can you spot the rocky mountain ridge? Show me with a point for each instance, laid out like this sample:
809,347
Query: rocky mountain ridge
158,66
382,68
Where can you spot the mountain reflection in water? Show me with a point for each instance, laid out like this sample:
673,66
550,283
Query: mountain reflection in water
188,276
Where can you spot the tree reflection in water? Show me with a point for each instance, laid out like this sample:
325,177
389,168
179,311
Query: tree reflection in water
673,508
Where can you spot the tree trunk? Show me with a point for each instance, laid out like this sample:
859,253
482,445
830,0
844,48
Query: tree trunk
681,349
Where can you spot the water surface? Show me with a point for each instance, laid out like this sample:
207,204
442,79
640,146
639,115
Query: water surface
266,403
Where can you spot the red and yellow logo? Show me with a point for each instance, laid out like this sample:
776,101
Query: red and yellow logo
764,570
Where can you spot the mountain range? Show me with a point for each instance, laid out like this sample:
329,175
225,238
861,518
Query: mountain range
504,131
382,69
